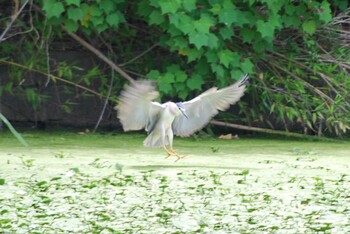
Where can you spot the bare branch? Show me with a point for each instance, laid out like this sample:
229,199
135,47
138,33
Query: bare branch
53,77
100,55
264,130
138,56
106,101
13,19
47,63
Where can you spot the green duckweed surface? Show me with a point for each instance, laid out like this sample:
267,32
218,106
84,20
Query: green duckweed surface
105,183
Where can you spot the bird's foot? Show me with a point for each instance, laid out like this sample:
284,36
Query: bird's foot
172,152
175,154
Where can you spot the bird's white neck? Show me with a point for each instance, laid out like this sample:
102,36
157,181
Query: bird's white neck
173,109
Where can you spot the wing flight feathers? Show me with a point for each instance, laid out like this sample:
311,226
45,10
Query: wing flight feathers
135,108
202,108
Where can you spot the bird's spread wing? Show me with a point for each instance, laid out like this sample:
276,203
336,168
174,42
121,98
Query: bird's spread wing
202,108
136,109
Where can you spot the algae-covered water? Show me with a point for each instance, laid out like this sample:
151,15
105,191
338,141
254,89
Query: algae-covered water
106,183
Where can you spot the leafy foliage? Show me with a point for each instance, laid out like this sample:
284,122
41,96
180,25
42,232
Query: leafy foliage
202,43
90,15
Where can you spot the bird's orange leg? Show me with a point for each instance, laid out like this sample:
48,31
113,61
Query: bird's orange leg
172,152
169,152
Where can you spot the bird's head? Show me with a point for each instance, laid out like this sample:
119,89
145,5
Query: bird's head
182,109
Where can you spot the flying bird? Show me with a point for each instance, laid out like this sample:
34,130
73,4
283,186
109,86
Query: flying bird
137,110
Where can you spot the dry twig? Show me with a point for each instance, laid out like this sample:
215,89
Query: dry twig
13,19
264,130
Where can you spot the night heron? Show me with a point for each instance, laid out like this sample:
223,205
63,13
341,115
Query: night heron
137,110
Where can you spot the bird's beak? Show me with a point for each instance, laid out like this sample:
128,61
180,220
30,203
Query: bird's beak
184,113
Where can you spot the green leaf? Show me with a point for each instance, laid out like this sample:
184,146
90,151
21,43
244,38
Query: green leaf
275,21
113,19
48,4
180,76
4,221
175,19
167,6
75,14
195,82
168,78
122,18
227,4
73,2
182,94
156,18
174,31
2,181
226,32
309,27
325,12
266,29
98,21
198,39
204,23
274,6
290,9
71,25
235,59
292,20
225,57
245,18
95,10
216,9
4,211
211,56
75,169
153,75
180,41
55,21
202,67
53,8
213,41
189,5
173,68
192,54
165,87
218,70
107,6
228,16
248,35
261,45
342,4
85,9
236,74
186,24
247,66
144,8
